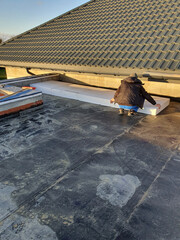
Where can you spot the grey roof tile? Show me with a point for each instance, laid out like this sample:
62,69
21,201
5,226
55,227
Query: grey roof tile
102,62
139,63
143,34
176,55
173,65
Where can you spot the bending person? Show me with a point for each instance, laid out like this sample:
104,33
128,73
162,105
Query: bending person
131,95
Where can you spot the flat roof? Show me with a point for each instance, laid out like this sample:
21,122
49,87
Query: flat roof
75,170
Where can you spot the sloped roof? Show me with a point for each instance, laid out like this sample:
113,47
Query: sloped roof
103,36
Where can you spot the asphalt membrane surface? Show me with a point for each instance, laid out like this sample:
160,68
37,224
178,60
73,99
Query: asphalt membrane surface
77,171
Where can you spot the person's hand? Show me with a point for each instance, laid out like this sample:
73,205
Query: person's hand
112,100
158,105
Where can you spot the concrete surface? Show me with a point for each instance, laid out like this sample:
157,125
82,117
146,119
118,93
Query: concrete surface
93,95
78,171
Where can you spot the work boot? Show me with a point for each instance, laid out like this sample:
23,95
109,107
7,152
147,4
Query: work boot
131,112
121,111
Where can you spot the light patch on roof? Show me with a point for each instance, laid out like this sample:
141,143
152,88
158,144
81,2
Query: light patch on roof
117,189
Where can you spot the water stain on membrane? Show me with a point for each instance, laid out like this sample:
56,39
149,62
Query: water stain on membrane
20,228
6,202
117,189
17,227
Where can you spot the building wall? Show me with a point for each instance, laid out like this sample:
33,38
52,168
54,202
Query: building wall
15,72
107,81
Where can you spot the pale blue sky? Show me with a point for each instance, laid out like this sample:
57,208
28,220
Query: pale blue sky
18,16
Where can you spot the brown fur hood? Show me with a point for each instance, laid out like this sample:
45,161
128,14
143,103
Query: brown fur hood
133,80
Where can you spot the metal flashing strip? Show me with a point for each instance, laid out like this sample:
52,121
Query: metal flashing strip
28,78
21,98
14,95
18,95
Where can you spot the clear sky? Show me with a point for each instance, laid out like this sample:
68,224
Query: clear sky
18,16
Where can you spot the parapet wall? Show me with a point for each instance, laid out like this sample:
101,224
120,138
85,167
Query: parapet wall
99,80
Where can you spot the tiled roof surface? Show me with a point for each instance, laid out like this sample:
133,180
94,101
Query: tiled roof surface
104,33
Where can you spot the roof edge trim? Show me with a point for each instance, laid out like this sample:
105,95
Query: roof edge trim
85,69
